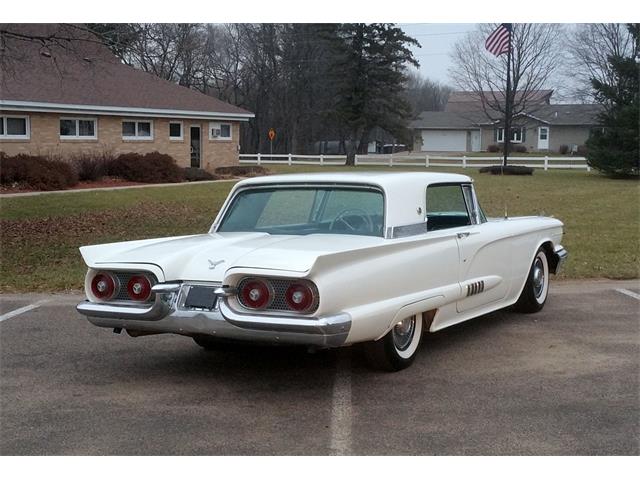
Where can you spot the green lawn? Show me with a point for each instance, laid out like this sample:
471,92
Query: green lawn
40,235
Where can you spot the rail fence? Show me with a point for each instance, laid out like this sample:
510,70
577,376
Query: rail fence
546,162
292,159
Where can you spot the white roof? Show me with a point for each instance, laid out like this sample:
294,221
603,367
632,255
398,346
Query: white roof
381,179
405,192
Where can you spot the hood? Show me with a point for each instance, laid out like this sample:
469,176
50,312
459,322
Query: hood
207,257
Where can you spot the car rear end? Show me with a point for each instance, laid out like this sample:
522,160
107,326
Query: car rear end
272,309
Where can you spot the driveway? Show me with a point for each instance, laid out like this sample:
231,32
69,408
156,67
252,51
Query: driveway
563,381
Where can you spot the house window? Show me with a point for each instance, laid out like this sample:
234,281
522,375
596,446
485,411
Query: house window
15,127
175,130
219,131
517,135
543,133
137,130
78,128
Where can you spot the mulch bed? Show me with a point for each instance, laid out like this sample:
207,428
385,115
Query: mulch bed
508,170
103,183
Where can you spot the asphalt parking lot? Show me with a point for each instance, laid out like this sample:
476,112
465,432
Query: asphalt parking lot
563,381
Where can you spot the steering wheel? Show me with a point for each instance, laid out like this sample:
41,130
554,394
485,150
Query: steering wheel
340,218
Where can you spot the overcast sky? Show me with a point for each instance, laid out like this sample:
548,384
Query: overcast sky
437,40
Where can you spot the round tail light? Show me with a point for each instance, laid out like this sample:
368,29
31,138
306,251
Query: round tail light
103,286
139,288
299,297
256,294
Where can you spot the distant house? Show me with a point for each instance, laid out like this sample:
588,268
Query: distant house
378,141
464,127
76,96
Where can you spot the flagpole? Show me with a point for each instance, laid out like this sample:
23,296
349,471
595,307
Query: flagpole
507,117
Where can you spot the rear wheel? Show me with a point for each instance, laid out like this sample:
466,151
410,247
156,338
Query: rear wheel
398,348
534,293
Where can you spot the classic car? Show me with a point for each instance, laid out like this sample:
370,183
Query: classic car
328,260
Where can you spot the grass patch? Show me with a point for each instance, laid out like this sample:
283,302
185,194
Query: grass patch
40,235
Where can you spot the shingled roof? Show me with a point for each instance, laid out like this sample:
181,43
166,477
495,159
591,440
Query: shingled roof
82,74
569,114
471,101
554,114
449,120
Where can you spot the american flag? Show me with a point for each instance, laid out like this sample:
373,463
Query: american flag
499,41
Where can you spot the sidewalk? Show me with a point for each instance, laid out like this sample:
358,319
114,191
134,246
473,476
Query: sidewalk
150,185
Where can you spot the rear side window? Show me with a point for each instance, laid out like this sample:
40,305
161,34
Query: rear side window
446,207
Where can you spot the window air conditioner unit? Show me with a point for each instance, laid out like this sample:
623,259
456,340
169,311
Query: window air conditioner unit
215,132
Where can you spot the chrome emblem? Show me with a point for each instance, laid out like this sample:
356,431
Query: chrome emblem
213,265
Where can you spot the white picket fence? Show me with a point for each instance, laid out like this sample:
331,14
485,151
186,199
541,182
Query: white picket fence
426,161
292,159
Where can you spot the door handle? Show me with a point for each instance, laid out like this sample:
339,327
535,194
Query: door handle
465,234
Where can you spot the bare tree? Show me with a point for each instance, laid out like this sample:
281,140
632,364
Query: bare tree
536,54
18,42
171,51
424,94
589,47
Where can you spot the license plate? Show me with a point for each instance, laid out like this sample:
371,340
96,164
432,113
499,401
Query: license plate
201,297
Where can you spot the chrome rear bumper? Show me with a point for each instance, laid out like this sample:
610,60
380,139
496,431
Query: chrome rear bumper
168,315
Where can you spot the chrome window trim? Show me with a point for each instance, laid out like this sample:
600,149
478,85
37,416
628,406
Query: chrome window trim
474,209
410,230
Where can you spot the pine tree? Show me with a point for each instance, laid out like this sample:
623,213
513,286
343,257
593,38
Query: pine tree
369,74
614,149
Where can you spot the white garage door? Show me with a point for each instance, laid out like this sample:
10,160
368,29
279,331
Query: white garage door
444,140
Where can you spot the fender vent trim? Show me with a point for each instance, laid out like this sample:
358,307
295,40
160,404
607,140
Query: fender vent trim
475,288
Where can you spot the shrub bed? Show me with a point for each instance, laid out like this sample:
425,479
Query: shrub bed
193,174
242,171
92,166
34,172
152,167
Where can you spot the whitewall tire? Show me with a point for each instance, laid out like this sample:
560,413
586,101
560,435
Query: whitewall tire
398,348
536,289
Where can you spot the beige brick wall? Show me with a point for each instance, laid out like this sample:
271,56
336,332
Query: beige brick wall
45,140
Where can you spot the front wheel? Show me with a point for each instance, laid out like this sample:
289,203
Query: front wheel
398,348
534,293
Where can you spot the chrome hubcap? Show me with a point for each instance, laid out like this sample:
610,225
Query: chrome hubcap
538,278
403,333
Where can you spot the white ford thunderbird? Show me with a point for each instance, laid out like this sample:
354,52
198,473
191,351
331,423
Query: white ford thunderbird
327,260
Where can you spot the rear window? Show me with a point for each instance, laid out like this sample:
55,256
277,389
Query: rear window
305,210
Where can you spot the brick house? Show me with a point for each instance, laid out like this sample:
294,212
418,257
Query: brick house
464,127
68,98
